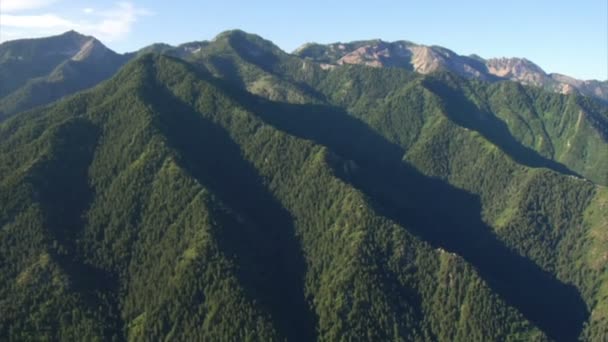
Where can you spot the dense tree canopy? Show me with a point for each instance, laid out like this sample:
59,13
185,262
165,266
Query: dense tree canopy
248,194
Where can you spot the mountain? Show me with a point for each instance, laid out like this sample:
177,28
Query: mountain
477,121
191,201
39,71
182,51
427,59
241,192
569,130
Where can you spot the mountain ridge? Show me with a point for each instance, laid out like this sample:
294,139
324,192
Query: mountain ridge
429,58
38,71
230,190
411,56
158,128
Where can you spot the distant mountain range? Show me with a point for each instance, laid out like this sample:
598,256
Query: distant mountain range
427,59
38,71
230,191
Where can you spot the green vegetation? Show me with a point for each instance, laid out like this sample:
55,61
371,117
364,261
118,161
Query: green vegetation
36,72
248,194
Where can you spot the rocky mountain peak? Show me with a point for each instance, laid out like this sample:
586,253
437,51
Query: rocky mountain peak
519,69
375,54
427,59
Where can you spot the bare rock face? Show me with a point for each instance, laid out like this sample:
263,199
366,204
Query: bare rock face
427,59
420,58
568,80
92,49
589,88
374,55
518,69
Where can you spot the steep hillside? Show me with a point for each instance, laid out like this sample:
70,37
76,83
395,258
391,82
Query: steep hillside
465,133
540,214
159,206
227,190
35,72
183,51
21,60
535,127
427,59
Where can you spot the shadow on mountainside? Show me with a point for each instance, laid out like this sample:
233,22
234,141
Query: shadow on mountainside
255,228
63,191
466,114
435,211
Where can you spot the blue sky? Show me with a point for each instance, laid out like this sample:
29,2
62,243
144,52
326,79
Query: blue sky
565,36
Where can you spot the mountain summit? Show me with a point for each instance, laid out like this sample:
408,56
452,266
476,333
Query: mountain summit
226,191
426,59
38,71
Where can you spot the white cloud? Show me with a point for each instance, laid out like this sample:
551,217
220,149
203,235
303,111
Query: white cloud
10,6
109,24
117,22
35,21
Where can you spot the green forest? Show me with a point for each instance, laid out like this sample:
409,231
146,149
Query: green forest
242,193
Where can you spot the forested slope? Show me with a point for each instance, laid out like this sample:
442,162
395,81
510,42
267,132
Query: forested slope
242,193
157,206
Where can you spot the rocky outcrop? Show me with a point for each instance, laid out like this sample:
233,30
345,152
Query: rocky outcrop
427,59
